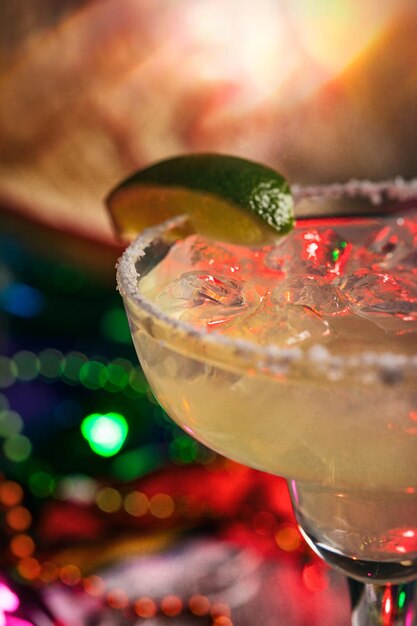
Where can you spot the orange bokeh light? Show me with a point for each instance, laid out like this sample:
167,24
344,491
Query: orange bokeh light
11,493
199,605
29,568
171,605
145,607
22,546
18,518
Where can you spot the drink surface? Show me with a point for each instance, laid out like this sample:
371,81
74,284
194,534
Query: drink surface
340,298
347,285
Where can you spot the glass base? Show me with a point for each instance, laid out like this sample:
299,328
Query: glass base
369,536
382,593
375,572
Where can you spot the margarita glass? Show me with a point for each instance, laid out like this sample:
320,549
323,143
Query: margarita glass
299,365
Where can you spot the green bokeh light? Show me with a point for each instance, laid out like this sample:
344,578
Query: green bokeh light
93,374
8,372
51,363
4,403
27,364
137,384
114,326
17,448
106,434
138,462
74,361
117,377
183,449
11,423
41,484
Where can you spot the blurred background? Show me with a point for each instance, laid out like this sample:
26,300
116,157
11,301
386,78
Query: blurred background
102,498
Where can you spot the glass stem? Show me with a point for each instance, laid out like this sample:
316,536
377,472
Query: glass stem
383,605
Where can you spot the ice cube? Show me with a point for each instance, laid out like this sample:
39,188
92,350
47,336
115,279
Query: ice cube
228,260
278,324
312,252
196,287
316,293
203,255
393,246
388,300
297,323
290,325
205,299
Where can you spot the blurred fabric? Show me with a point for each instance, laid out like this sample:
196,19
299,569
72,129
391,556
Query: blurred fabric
91,90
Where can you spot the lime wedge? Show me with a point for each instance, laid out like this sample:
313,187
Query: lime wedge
226,198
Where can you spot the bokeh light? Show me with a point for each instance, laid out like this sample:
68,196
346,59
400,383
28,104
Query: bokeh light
29,568
315,576
402,597
117,599
70,575
108,500
136,503
8,372
49,573
51,363
22,300
19,518
27,364
11,493
199,605
288,538
22,546
106,434
138,462
162,505
74,361
93,374
114,326
11,423
8,599
42,484
17,448
77,488
137,383
183,449
171,605
145,607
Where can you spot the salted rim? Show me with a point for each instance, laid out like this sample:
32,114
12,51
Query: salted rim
389,367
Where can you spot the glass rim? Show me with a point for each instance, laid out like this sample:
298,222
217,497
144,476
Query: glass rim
315,360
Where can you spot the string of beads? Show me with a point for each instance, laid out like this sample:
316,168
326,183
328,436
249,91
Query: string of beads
31,569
